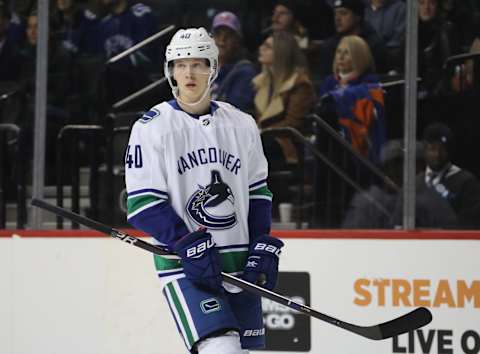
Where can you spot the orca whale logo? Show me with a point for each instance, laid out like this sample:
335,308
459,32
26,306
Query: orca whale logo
212,206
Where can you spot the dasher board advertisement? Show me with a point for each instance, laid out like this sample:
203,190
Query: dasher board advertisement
69,291
370,281
287,330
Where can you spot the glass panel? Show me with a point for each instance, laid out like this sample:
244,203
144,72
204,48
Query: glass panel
344,167
448,192
16,90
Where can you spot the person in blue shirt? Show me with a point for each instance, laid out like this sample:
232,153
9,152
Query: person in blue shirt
234,81
74,27
16,28
124,26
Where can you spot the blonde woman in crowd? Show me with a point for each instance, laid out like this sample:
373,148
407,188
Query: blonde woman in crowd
353,63
354,96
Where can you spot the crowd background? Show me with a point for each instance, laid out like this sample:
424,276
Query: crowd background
324,80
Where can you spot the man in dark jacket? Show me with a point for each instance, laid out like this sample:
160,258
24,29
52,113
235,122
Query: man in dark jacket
454,186
388,18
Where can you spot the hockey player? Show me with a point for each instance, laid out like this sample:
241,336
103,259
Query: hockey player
196,181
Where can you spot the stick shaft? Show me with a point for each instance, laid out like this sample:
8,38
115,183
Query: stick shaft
418,317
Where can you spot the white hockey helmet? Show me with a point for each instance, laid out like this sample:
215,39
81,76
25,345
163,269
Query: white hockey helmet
191,43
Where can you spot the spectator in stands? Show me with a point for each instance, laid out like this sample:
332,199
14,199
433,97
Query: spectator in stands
388,17
58,90
349,20
284,94
436,42
16,26
461,13
447,196
9,56
352,94
454,185
310,23
74,26
58,65
285,17
124,26
234,81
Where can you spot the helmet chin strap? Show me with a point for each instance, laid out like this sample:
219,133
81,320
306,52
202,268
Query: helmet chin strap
177,97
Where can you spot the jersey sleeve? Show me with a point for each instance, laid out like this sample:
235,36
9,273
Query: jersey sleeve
260,197
148,204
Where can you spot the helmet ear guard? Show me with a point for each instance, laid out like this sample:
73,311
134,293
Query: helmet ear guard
191,43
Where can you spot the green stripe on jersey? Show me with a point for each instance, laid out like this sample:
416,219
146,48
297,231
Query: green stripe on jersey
181,314
135,203
232,261
262,191
162,263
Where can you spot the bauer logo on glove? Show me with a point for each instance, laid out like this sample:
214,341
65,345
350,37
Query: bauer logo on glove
268,248
200,259
262,262
198,250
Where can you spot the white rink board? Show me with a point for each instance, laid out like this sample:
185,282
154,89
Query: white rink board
99,296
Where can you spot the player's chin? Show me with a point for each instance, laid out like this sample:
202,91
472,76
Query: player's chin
191,97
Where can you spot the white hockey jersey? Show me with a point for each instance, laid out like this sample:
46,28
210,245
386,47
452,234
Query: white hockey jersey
208,168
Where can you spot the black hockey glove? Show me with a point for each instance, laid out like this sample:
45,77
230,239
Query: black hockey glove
262,262
200,259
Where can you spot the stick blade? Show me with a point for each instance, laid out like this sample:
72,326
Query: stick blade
403,324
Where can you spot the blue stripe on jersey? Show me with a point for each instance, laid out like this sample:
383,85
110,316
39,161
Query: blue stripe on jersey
169,273
256,184
161,222
259,218
146,191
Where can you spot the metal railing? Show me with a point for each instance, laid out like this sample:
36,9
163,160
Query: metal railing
309,147
458,61
355,171
89,135
122,102
295,173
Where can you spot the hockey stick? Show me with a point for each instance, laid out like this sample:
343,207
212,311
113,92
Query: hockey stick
406,323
